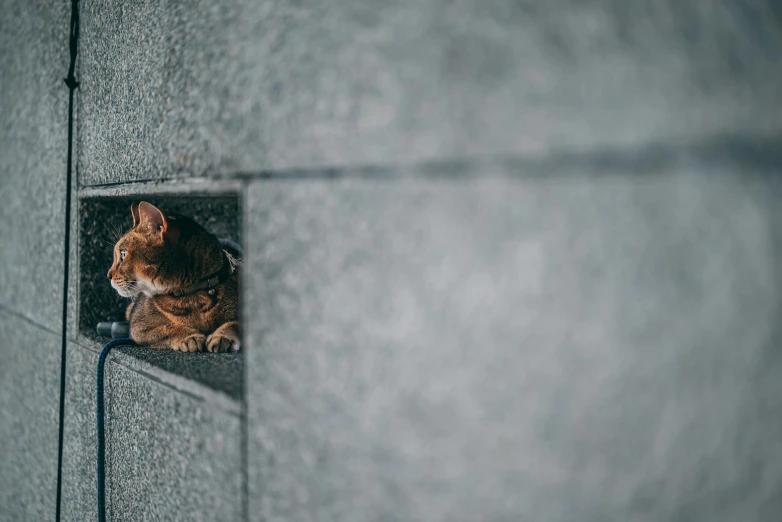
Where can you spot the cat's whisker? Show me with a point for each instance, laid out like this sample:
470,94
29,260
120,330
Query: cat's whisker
115,231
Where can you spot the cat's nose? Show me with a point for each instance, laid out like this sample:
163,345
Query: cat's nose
109,275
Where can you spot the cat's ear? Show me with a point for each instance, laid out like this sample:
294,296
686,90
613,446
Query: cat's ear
134,211
152,218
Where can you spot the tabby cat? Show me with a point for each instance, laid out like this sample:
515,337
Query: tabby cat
184,287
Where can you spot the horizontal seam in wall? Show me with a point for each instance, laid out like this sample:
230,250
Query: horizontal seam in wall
754,151
32,322
206,186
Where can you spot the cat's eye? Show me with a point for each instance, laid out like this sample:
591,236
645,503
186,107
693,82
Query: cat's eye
122,254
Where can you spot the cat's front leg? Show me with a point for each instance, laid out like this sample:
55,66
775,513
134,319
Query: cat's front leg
159,333
225,338
149,327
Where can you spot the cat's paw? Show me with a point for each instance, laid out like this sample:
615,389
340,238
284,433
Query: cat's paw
217,343
191,343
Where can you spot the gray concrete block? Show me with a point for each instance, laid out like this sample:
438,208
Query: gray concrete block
170,455
571,348
33,133
29,413
219,372
198,89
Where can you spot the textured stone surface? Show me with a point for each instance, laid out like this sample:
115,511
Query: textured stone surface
33,132
170,456
29,412
202,88
542,349
221,372
454,349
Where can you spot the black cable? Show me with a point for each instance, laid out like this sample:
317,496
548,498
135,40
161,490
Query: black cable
72,84
99,423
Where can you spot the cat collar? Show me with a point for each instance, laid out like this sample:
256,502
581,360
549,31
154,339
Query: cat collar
208,283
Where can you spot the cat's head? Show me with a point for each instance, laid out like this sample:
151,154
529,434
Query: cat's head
161,253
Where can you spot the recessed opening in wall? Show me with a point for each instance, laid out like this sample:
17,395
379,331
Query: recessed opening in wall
101,220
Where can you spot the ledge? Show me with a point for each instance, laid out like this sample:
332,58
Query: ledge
213,378
167,187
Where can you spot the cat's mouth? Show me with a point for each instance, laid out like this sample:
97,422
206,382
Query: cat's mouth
124,288
137,287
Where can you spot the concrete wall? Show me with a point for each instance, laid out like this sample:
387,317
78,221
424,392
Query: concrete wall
33,117
504,261
217,88
172,454
515,349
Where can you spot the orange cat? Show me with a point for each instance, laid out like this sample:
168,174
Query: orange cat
184,286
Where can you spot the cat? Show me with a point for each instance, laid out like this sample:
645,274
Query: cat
184,287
